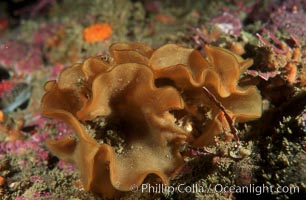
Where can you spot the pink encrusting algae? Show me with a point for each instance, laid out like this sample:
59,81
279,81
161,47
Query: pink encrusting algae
24,146
20,57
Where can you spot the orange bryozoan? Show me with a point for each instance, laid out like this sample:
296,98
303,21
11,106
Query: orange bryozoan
97,33
133,110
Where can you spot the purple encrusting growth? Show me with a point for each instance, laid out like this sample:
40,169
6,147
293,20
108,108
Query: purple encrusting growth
36,195
44,34
291,17
30,155
20,57
24,146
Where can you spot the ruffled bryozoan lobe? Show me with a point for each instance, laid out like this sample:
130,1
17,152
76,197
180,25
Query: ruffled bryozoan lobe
133,110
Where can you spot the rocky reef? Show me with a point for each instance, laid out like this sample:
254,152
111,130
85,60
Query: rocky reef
151,100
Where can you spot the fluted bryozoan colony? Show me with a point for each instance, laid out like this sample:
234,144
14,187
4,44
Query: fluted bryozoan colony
133,110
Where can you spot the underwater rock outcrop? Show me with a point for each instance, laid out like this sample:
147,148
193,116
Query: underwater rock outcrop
133,110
